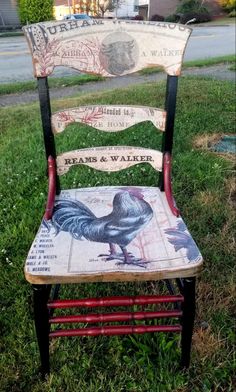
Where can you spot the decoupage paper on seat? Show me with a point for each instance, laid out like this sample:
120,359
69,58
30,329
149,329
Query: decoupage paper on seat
99,230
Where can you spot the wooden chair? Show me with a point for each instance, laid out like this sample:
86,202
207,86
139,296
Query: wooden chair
110,234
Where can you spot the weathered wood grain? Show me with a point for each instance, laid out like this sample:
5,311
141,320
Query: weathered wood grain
185,272
108,118
106,47
109,158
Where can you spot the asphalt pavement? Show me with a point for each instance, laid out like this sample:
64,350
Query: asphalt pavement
205,42
210,41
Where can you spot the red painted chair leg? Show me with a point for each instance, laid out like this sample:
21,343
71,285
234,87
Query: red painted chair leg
188,308
41,315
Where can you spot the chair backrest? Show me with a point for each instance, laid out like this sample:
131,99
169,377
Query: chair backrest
109,48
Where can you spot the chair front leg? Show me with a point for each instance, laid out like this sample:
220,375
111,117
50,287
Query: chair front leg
41,316
188,307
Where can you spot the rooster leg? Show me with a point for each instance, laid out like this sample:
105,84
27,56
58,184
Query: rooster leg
130,259
113,254
112,249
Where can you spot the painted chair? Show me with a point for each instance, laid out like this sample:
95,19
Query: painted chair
115,233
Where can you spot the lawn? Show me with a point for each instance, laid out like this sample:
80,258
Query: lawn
66,81
205,192
76,80
229,59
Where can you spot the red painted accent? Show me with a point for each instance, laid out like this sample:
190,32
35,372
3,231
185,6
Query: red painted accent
115,330
113,317
115,301
51,187
167,184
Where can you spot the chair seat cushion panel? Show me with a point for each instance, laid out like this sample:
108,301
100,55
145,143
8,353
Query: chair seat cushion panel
111,234
108,118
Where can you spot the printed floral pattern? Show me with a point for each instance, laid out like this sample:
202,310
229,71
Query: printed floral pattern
44,57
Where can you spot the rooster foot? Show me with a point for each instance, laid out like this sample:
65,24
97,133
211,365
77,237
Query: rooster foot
114,256
134,261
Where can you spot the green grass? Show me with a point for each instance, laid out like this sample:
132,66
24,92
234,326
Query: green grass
11,34
195,63
211,61
232,67
150,70
66,81
205,192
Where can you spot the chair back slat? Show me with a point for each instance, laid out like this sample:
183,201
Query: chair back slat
106,47
108,118
109,159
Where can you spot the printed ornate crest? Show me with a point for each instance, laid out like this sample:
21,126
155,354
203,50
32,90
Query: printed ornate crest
91,47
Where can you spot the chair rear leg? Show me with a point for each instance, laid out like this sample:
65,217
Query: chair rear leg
41,316
54,296
188,307
172,291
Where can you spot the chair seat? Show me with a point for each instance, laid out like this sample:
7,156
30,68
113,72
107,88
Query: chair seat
111,234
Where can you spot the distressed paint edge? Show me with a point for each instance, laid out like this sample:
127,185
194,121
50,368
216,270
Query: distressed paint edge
51,188
117,276
167,184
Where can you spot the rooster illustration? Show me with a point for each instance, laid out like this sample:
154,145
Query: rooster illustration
129,216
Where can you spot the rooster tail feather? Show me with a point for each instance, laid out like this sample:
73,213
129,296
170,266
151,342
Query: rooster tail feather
48,225
71,216
45,224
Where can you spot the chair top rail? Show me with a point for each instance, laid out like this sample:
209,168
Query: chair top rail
108,118
106,47
109,159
